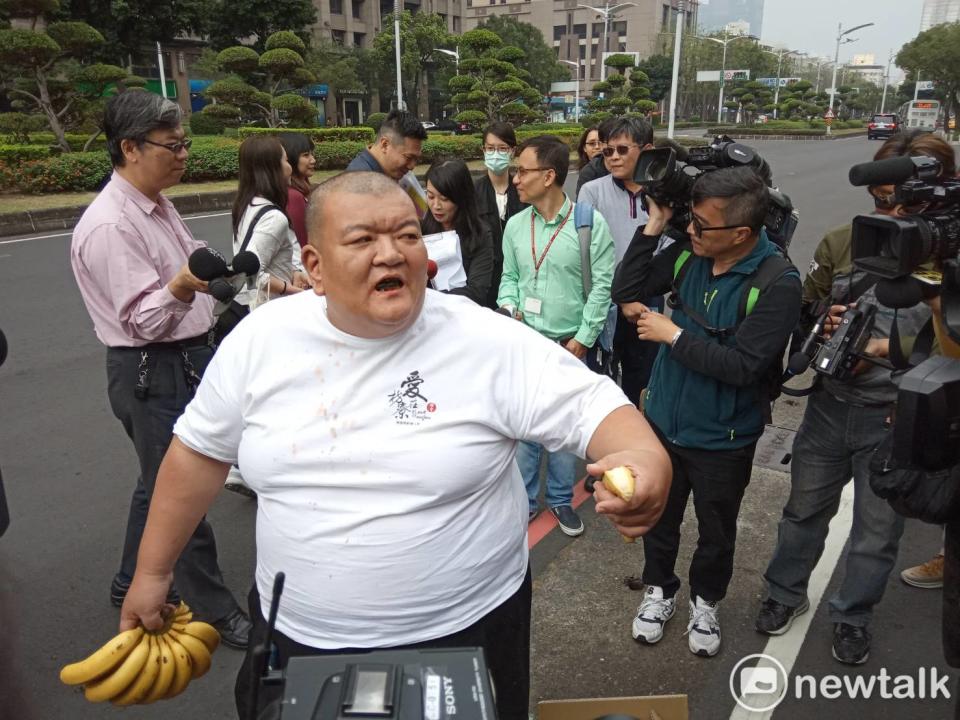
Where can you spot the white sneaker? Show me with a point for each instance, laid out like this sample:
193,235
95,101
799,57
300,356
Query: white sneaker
652,615
703,630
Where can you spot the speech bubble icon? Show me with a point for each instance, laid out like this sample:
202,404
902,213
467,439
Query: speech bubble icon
758,681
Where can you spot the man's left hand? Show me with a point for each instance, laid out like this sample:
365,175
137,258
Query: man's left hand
580,351
640,514
656,327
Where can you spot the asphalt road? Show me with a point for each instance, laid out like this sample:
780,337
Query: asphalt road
69,469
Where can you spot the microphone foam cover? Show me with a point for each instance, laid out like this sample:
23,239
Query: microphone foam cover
207,264
432,269
901,293
246,262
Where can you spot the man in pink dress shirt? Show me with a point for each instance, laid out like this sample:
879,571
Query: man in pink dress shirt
129,255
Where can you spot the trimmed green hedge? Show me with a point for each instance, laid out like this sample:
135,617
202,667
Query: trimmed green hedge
541,128
318,135
20,153
69,172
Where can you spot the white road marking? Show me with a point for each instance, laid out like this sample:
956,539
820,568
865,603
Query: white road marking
786,647
187,219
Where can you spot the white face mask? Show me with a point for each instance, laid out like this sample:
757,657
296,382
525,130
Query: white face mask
496,162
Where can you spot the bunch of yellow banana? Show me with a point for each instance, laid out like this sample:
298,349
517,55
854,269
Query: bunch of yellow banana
140,667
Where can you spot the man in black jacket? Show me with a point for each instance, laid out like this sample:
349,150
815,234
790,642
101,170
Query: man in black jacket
705,399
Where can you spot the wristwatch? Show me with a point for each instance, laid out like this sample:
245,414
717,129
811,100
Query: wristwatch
676,336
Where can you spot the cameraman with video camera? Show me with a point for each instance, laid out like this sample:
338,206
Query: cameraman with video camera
843,424
706,399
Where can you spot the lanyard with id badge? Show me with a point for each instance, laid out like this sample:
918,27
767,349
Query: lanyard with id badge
532,303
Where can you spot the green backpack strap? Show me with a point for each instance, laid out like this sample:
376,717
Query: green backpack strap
680,267
771,269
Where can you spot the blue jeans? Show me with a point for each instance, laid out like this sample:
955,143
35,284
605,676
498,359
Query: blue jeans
561,470
835,442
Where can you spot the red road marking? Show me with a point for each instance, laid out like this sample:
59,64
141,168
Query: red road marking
545,522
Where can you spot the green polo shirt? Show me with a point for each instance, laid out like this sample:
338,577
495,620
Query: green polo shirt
564,312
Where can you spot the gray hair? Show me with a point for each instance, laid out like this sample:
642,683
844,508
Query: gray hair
373,184
133,115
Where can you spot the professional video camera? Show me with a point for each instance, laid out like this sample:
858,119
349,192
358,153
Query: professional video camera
434,684
668,173
895,247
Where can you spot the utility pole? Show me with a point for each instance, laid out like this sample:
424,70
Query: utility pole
401,105
886,82
674,83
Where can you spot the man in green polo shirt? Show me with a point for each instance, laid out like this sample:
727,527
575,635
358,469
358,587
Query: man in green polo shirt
542,286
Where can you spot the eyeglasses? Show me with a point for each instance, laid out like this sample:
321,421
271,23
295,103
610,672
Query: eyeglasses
173,147
522,171
503,150
621,150
700,229
592,143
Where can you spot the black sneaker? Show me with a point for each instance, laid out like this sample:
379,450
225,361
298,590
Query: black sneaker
775,618
570,523
851,644
532,516
118,591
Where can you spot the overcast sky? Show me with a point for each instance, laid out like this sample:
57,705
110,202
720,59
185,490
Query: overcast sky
811,25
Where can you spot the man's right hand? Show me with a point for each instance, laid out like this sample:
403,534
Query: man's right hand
834,316
146,602
658,217
185,285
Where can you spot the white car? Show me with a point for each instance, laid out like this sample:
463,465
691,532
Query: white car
427,125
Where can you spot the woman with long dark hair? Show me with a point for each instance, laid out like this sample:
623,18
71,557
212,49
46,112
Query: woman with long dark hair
260,212
588,147
299,149
497,198
453,206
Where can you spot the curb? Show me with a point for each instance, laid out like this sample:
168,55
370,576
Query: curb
746,136
35,221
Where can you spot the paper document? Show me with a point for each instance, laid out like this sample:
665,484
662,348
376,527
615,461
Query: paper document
444,249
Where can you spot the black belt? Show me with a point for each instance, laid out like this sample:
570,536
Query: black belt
198,341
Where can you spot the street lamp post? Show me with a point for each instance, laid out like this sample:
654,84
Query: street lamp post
776,92
723,65
841,33
455,54
606,12
576,99
886,82
396,46
674,80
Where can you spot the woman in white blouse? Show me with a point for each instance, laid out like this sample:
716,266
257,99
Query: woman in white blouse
261,203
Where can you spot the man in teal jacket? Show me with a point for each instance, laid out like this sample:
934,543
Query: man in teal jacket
707,398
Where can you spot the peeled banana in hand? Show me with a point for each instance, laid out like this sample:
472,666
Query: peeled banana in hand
141,667
620,482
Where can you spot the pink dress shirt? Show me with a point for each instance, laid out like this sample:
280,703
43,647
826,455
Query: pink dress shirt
125,250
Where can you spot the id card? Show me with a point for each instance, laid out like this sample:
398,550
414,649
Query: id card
532,305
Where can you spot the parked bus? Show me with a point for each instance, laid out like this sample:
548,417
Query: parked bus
922,114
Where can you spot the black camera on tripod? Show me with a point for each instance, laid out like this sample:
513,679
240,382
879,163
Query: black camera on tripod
668,174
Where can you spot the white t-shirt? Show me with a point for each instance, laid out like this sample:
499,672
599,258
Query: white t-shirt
384,469
274,243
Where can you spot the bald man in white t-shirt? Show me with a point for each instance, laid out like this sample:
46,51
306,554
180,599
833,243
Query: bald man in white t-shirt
378,424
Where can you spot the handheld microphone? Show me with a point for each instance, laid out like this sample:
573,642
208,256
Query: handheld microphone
207,264
432,271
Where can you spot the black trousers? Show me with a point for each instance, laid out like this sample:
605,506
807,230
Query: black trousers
717,480
503,633
634,357
148,422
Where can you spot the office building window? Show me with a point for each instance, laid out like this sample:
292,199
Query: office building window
580,30
336,7
665,20
597,30
558,32
339,36
358,9
456,24
619,28
358,39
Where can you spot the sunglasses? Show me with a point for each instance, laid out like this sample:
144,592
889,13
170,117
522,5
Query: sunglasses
699,228
621,150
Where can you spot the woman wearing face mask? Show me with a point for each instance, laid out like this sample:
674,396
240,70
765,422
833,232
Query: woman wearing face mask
497,198
299,149
453,206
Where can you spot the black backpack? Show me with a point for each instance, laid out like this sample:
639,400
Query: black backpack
771,269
